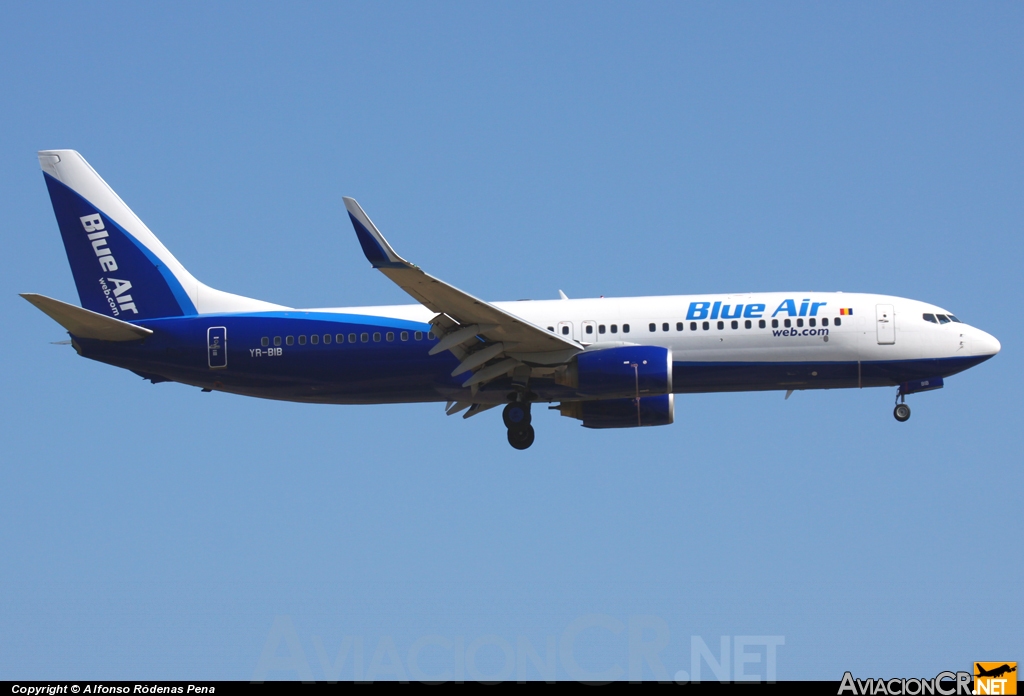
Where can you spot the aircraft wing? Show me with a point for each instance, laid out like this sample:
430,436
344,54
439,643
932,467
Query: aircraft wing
521,341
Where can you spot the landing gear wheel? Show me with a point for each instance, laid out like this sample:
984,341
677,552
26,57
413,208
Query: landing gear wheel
522,437
516,414
901,413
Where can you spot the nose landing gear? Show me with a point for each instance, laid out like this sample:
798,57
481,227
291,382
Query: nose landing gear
517,419
902,411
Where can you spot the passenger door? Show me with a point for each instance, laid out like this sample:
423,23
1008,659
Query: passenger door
217,347
885,324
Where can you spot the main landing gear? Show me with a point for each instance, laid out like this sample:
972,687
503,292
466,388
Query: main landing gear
902,411
517,419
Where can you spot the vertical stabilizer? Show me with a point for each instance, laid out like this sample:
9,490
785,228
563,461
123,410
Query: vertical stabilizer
120,268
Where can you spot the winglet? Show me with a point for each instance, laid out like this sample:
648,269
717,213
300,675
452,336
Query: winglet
378,252
85,323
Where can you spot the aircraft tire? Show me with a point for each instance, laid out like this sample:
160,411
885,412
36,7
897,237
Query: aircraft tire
901,413
522,437
516,414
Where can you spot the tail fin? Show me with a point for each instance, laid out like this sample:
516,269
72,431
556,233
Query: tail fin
121,269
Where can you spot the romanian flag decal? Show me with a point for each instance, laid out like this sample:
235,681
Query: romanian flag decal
846,311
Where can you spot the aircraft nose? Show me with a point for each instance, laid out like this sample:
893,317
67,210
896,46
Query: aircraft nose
987,344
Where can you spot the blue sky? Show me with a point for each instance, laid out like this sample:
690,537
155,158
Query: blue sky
514,150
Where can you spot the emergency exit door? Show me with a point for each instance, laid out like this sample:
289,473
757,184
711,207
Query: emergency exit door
885,324
588,332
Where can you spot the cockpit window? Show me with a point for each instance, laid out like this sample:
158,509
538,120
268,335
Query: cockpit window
954,319
943,319
930,317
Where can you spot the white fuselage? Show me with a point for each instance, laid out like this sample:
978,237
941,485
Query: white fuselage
693,336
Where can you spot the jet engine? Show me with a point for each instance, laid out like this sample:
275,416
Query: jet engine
633,371
622,413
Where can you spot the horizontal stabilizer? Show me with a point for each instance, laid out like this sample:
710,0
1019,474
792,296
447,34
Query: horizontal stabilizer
84,323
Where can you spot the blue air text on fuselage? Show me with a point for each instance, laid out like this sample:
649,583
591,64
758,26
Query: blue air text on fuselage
718,310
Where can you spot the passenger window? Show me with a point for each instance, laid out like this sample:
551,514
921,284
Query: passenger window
551,329
775,323
615,328
706,326
600,328
391,335
314,339
735,324
565,330
405,335
277,340
352,338
664,327
839,321
679,326
652,327
800,322
943,319
376,336
693,326
812,322
430,335
418,335
289,340
760,323
824,322
747,324
590,328
625,328
954,319
787,323
364,337
302,340
721,325
265,341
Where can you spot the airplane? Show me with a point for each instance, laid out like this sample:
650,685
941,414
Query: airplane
607,362
995,672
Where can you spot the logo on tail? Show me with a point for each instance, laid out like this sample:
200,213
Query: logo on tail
114,289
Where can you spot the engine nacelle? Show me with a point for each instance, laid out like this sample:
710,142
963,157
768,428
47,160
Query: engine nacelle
622,413
621,371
